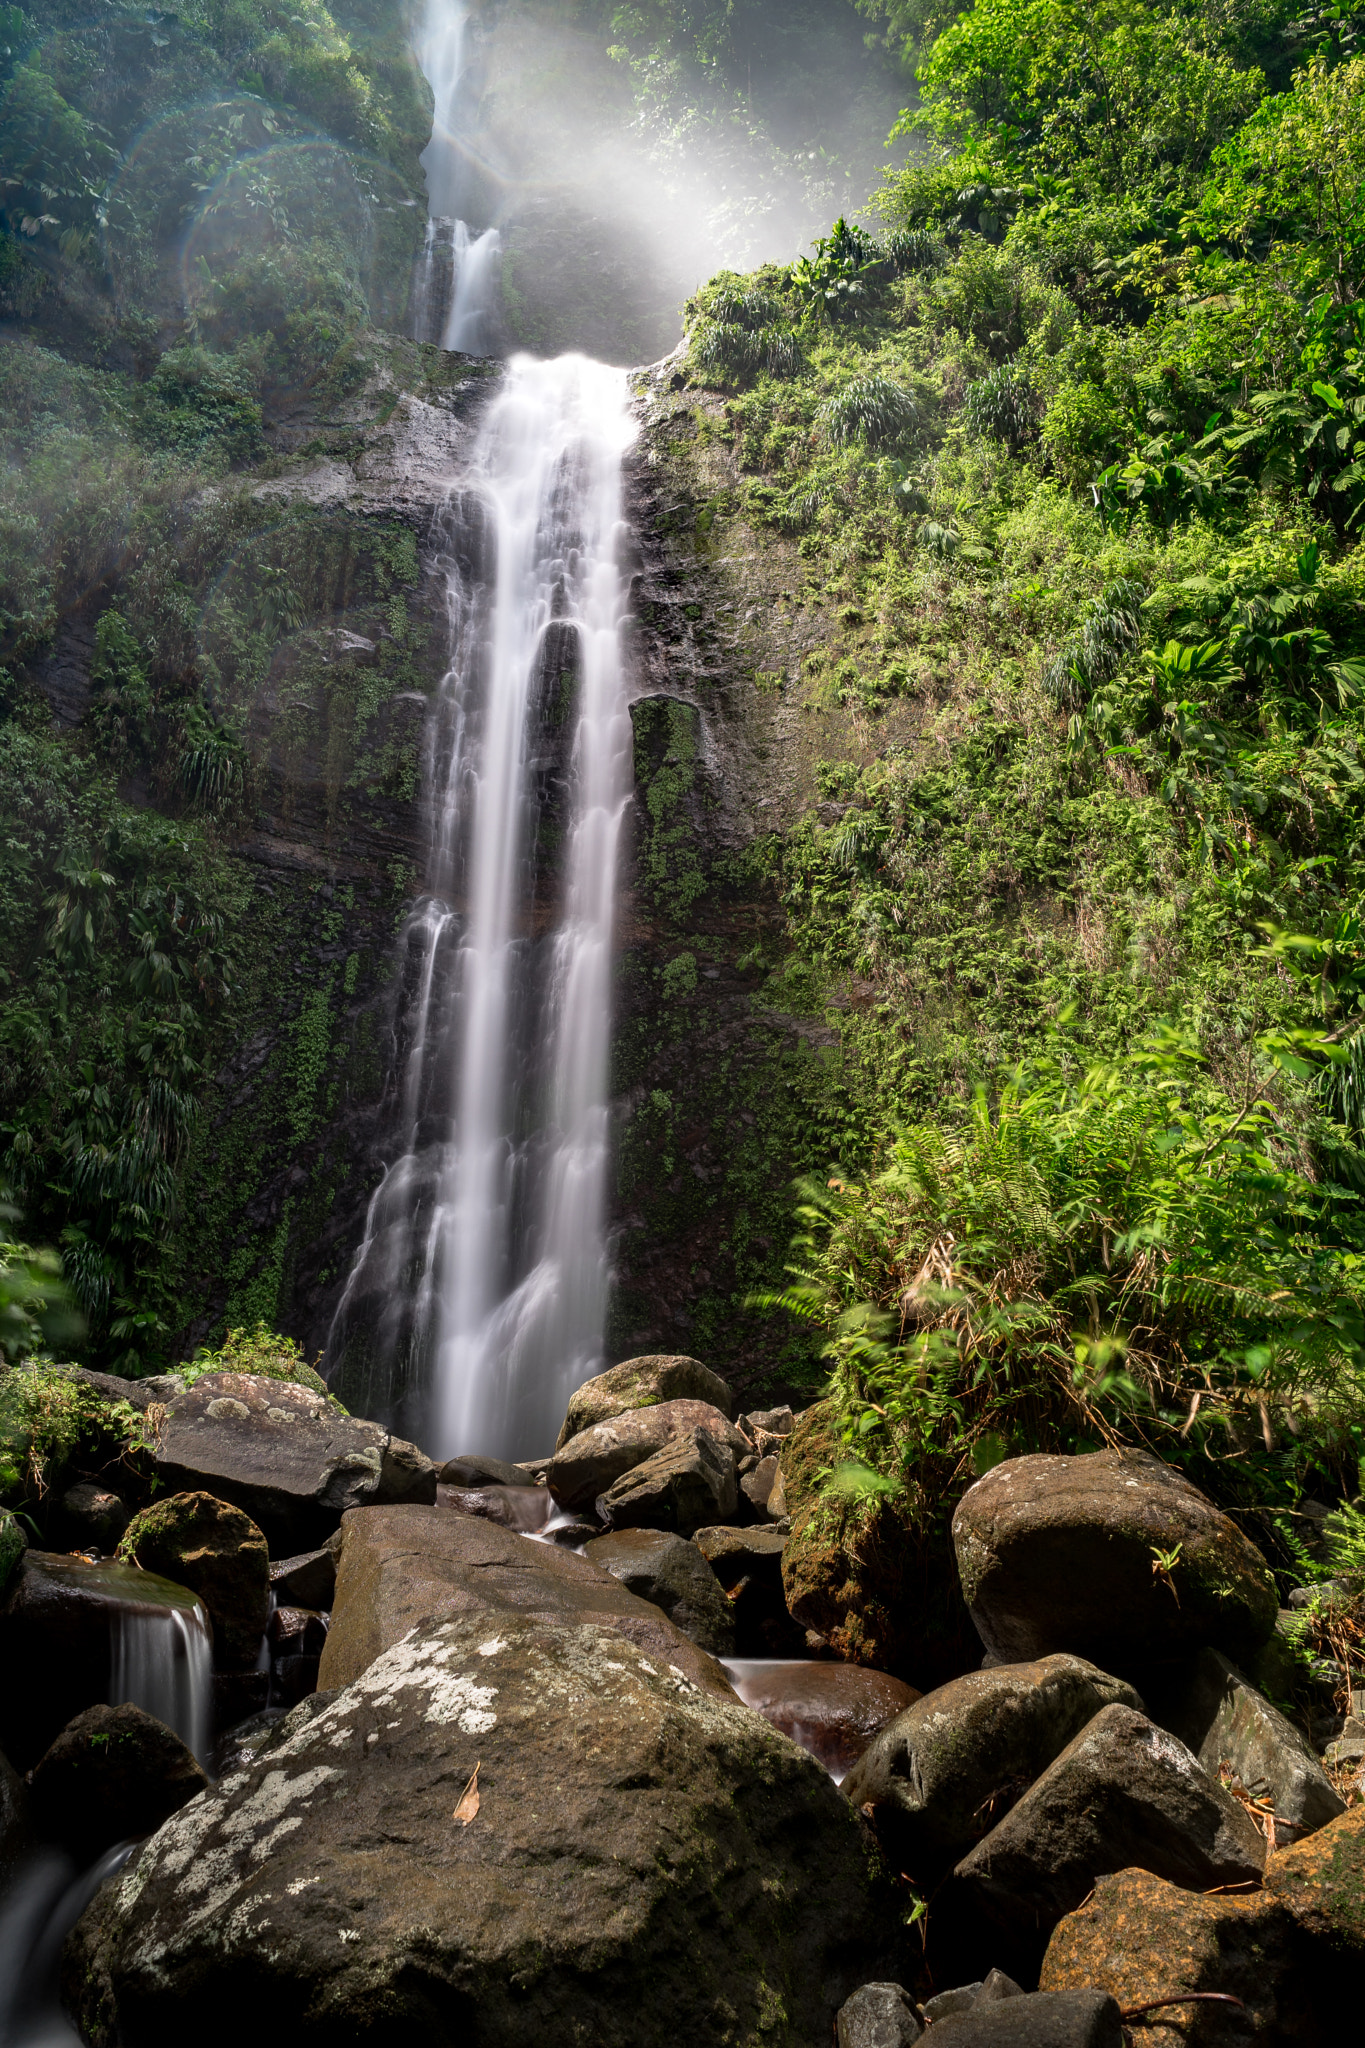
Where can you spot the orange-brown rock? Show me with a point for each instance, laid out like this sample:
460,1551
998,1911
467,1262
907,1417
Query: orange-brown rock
1292,1951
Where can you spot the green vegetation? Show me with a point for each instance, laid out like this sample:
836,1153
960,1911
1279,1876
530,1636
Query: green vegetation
202,217
260,1351
52,1421
1074,450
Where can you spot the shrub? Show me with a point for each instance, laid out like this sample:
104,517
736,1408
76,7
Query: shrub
260,1351
1003,406
870,408
1120,1253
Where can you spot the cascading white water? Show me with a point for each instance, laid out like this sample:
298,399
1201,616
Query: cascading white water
161,1659
483,1276
458,277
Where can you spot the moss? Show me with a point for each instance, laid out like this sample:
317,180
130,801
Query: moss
50,1418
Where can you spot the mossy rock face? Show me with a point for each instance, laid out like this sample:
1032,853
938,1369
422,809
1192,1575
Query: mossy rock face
220,1554
863,1572
265,1355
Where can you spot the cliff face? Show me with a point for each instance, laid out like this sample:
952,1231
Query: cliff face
727,1076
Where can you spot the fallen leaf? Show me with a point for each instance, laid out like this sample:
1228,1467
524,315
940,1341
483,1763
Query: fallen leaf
469,1799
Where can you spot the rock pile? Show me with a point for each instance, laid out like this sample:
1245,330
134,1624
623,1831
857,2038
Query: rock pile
598,1745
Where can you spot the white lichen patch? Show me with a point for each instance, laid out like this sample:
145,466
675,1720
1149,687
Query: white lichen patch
492,1646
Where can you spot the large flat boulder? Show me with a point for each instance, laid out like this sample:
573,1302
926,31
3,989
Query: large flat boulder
1123,1793
595,1458
1111,1556
671,1574
1222,1717
286,1455
638,1862
643,1383
932,1775
400,1566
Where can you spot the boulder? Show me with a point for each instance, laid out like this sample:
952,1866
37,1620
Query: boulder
690,1482
88,1516
748,1564
527,1508
501,1830
944,1770
757,1486
476,1471
673,1575
1221,1716
860,1572
400,1565
1061,1553
13,1544
642,1383
966,1997
57,1627
1041,2019
298,1636
220,1554
1142,1939
1124,1792
1321,1882
1293,1952
877,2016
598,1456
308,1580
833,1710
766,1428
287,1456
113,1774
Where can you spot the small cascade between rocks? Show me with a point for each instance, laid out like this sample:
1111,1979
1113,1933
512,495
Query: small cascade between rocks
161,1659
459,271
36,1915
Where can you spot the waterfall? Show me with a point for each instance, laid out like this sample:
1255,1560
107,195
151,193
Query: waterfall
161,1659
458,274
476,1303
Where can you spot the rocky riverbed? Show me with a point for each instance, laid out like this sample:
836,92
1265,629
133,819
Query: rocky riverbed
499,1750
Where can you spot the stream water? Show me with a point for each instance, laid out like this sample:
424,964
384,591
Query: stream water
476,1303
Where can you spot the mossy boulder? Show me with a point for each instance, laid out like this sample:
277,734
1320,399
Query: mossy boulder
643,1383
1292,1952
265,1355
865,1572
219,1553
1111,1556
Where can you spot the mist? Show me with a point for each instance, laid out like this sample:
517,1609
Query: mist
622,177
